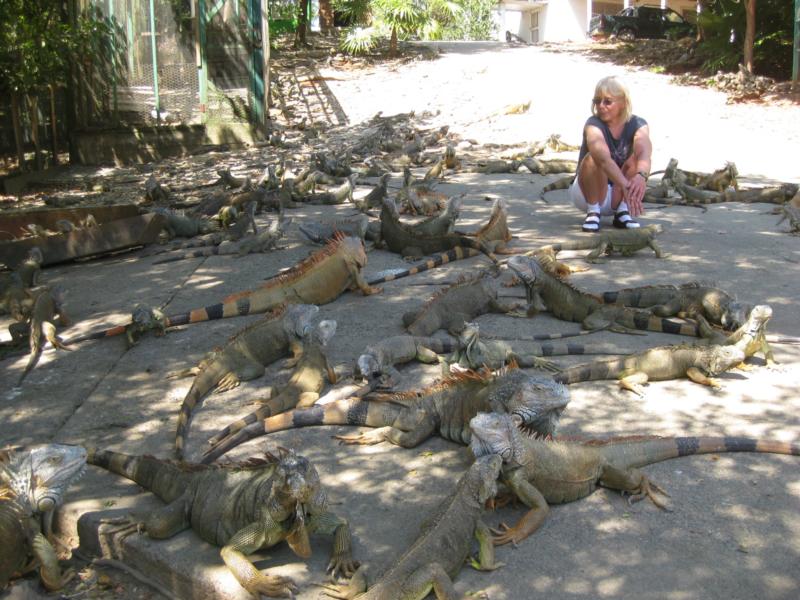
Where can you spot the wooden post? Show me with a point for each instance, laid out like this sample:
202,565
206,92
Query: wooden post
16,118
266,56
53,124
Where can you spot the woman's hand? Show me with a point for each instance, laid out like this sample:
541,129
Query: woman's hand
633,194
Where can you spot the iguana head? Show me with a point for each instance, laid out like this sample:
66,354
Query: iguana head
469,335
527,269
388,206
537,401
496,434
757,320
297,490
453,208
354,248
482,477
42,474
297,320
323,332
736,314
718,359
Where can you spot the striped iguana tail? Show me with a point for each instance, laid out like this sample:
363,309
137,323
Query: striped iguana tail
354,411
203,252
635,453
437,260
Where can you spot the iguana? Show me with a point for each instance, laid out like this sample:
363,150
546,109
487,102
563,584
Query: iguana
442,547
379,359
750,337
257,243
624,241
791,213
242,507
570,304
546,167
440,224
318,279
375,197
497,166
243,358
450,159
687,299
494,233
32,486
143,319
14,297
399,239
47,307
697,362
182,226
409,418
339,195
559,184
472,352
435,172
358,226
302,389
453,306
541,472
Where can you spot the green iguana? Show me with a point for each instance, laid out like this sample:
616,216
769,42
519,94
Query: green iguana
453,306
302,389
698,363
379,359
244,358
14,297
318,279
242,507
409,418
321,233
624,241
32,486
401,240
792,213
750,337
182,226
562,183
375,197
338,195
143,319
546,167
570,304
47,306
541,472
442,547
472,352
687,299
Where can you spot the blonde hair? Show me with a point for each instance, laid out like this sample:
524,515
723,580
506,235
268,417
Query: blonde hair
611,86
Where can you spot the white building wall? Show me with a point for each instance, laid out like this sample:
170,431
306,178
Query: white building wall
563,20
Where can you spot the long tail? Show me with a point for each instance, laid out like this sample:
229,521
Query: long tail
212,251
542,337
97,335
354,412
628,454
437,260
36,345
201,386
645,321
273,406
163,478
566,348
593,371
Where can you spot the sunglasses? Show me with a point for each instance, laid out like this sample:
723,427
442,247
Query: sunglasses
603,101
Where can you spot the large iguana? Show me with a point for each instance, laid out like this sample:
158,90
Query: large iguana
48,305
242,507
243,358
543,472
182,226
399,239
453,306
442,547
698,363
358,226
143,319
318,279
379,359
409,418
624,241
32,487
473,352
750,337
570,304
687,299
14,286
302,389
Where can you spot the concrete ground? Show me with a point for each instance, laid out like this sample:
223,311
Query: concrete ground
734,531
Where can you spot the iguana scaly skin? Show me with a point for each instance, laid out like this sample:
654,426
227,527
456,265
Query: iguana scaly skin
243,358
698,363
542,472
559,184
242,507
546,167
321,233
494,233
792,213
453,306
409,418
687,299
375,196
473,352
47,306
750,337
379,359
143,319
442,547
437,260
570,304
399,239
181,226
302,389
624,241
14,286
437,225
32,487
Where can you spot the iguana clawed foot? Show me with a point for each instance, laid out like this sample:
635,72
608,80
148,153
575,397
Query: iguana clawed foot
274,586
505,534
376,436
648,489
342,565
228,382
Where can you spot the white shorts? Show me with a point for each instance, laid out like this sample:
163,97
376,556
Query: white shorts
576,195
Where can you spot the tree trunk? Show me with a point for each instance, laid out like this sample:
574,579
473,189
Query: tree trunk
302,23
749,33
33,110
54,124
16,117
393,42
326,16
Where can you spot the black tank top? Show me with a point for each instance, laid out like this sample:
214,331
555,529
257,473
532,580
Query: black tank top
621,148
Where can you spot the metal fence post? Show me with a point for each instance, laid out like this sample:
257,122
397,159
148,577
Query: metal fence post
154,51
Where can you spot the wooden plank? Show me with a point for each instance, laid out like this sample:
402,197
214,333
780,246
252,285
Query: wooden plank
14,222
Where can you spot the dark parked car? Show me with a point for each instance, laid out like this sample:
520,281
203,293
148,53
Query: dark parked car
641,22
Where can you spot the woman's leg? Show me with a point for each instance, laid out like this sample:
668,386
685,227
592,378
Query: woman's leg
622,218
589,192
